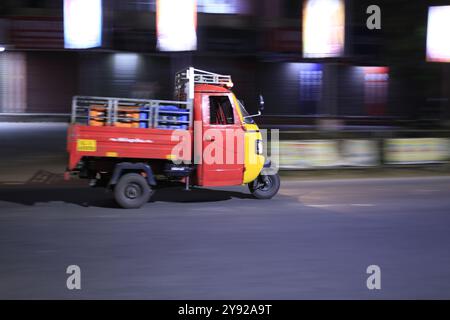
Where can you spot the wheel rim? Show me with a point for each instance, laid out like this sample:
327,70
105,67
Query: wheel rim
265,183
133,191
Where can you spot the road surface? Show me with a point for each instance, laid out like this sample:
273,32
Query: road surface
314,240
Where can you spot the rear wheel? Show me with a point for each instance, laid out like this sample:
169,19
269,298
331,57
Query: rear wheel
265,186
132,191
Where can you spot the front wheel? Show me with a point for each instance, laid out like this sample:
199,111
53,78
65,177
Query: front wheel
265,186
132,191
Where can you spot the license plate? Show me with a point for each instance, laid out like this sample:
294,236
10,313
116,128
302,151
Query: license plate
86,145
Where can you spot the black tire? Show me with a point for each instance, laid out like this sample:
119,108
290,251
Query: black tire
132,191
265,187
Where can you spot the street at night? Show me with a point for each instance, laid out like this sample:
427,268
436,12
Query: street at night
224,154
313,241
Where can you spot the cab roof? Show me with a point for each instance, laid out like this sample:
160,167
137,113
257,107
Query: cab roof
210,88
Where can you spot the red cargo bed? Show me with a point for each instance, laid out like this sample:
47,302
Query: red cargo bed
109,141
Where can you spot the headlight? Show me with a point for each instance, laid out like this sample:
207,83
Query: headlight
259,147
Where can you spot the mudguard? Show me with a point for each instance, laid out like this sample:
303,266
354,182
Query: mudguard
124,166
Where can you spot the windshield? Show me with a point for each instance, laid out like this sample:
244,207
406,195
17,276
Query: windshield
245,113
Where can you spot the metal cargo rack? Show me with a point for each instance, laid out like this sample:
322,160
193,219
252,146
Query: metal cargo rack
186,79
115,112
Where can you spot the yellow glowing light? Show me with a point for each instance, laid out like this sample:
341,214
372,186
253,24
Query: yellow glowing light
323,28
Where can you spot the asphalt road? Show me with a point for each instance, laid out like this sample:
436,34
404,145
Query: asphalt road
314,240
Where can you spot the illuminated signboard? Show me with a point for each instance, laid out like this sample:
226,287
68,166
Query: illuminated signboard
82,24
222,6
13,82
176,24
310,81
438,41
376,84
323,28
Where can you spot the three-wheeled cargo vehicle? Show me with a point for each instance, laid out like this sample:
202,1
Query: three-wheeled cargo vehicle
203,138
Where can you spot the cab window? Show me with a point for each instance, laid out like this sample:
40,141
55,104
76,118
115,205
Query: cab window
220,110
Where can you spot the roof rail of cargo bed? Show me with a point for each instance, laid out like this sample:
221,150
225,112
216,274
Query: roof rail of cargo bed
191,76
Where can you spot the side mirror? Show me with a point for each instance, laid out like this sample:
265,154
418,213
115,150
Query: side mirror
260,108
261,103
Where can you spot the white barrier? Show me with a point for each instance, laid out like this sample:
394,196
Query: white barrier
308,154
360,153
303,154
416,151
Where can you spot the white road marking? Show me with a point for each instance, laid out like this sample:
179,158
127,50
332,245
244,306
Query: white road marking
323,205
363,180
340,205
426,190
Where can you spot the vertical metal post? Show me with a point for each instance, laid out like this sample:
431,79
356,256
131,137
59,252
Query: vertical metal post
149,111
111,112
190,107
191,80
187,183
190,99
74,110
155,107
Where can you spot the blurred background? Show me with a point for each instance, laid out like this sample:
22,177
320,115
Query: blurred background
363,95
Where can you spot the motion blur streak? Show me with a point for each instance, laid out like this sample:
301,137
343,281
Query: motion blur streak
438,46
82,24
323,28
13,93
176,25
360,102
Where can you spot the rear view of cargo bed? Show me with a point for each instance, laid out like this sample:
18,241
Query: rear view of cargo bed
125,128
